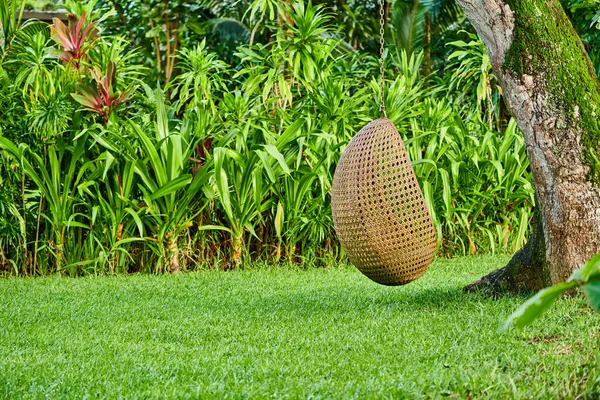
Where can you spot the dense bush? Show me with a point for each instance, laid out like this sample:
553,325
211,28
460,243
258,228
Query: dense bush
103,170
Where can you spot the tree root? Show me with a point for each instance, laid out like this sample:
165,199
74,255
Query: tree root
525,272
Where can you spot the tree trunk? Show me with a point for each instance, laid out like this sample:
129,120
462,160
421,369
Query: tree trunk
551,89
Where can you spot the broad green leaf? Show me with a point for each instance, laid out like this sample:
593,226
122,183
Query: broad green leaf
266,164
279,216
213,228
137,220
289,134
273,152
85,100
250,229
108,162
142,170
447,194
222,182
423,161
523,224
155,161
257,186
75,224
499,169
535,306
592,267
172,186
592,291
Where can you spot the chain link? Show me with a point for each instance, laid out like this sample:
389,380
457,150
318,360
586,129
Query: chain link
381,58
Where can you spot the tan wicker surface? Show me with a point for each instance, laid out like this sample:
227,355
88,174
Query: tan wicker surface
378,209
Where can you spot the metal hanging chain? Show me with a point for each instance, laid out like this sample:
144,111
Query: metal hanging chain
382,112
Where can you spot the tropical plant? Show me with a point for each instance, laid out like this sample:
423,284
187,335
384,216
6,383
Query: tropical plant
243,176
57,179
102,98
234,160
586,278
13,229
477,186
11,14
74,38
473,76
158,29
115,214
169,190
424,25
265,8
201,73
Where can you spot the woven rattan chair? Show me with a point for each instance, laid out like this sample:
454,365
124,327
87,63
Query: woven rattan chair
379,212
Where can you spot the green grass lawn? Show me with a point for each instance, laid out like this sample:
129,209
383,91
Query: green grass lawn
287,333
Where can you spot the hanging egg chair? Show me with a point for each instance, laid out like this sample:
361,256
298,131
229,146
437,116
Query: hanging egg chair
379,212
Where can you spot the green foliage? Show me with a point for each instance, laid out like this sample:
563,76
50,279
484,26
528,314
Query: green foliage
477,186
584,14
11,13
57,179
75,38
587,278
414,22
201,72
473,76
161,29
232,161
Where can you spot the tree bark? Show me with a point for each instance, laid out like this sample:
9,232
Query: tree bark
551,89
527,270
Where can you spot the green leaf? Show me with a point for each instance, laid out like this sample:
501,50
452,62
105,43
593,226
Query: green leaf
75,224
222,182
213,228
172,186
279,219
447,193
129,240
85,101
592,267
273,152
520,239
592,291
137,220
109,160
153,156
267,165
289,134
257,186
535,306
423,161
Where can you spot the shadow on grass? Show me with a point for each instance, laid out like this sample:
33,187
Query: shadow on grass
343,300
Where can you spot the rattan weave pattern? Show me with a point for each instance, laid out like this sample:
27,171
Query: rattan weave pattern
379,212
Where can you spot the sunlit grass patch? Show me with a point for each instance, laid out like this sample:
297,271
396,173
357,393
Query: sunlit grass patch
287,333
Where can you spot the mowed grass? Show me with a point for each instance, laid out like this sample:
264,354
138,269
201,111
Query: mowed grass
288,333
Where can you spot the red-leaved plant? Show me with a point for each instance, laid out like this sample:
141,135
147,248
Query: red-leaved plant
73,38
102,99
